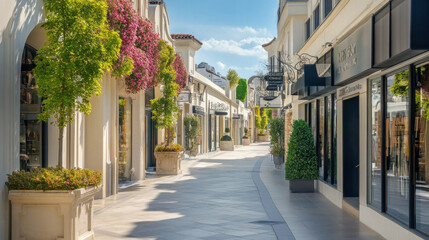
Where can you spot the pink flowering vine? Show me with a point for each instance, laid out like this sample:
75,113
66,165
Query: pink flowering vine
181,74
139,54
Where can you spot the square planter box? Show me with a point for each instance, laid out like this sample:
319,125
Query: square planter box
168,163
227,145
245,141
52,215
265,138
301,186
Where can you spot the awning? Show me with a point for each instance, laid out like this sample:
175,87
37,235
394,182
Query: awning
310,78
221,113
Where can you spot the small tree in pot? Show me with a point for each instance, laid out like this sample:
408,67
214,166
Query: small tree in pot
226,143
277,133
246,139
191,131
301,162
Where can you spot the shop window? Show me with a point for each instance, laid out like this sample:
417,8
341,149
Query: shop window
320,136
421,129
125,130
316,15
397,150
31,137
374,142
328,140
334,139
307,29
328,7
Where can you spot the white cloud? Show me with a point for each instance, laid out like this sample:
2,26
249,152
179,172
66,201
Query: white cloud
245,47
221,65
253,31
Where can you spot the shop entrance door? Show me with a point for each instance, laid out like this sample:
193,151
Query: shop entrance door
351,150
151,140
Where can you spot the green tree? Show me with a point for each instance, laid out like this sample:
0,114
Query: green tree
264,121
258,117
191,130
277,133
233,78
80,47
241,90
301,161
270,113
165,109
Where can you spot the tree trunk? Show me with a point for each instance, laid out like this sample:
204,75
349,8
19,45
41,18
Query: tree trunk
60,146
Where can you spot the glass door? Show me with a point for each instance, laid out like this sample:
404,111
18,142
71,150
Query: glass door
125,139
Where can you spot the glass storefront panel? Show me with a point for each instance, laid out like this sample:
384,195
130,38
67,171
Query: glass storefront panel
397,155
125,130
320,136
30,139
374,164
421,147
328,138
217,132
314,120
334,139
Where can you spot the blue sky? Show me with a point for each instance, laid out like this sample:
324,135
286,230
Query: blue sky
232,31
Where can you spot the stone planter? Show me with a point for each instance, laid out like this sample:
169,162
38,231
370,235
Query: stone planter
227,145
193,153
245,141
301,186
263,138
52,215
278,160
168,163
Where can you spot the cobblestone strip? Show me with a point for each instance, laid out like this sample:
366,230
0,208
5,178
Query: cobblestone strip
279,225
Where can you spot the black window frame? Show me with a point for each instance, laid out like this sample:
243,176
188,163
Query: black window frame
328,6
316,16
307,29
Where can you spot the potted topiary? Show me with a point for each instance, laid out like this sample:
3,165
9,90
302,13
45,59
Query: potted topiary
53,203
263,123
191,132
246,138
277,133
301,162
226,143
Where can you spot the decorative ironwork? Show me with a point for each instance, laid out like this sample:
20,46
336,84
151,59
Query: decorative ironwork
293,71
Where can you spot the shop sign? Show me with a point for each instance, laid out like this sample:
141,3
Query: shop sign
275,103
184,97
236,116
352,56
218,106
198,110
349,90
181,106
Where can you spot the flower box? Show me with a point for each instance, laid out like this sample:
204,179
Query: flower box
227,145
168,163
53,214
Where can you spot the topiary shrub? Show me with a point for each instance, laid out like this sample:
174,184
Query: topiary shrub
227,130
241,91
301,161
277,133
226,138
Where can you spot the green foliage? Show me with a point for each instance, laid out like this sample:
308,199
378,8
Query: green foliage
277,133
165,109
246,131
191,130
226,138
264,120
241,91
53,179
233,78
301,161
227,130
258,117
70,66
169,148
270,113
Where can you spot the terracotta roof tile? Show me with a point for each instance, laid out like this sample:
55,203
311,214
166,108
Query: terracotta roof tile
186,36
268,44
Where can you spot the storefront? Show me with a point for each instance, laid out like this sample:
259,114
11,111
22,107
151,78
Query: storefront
199,113
218,110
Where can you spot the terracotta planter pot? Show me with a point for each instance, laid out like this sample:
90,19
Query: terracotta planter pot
168,163
263,138
58,214
245,141
227,145
301,186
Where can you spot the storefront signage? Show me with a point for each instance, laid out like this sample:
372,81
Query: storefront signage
198,110
236,116
218,106
184,97
349,90
352,57
275,103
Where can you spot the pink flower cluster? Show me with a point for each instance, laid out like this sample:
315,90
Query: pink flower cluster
181,74
139,44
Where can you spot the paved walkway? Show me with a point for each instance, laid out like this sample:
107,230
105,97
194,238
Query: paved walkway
230,195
